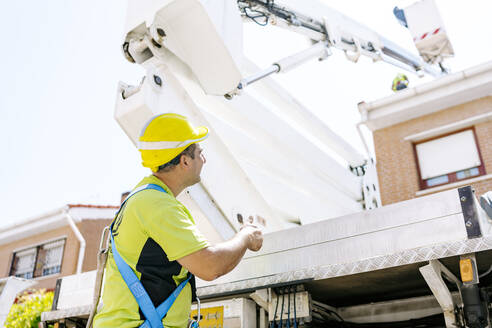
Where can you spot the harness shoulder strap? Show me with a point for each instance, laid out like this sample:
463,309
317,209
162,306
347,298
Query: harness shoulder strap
141,188
166,305
153,316
131,279
136,288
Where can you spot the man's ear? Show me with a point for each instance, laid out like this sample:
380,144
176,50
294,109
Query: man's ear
184,160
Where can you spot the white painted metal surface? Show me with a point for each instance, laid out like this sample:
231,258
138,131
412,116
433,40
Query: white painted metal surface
10,287
413,231
210,220
76,290
300,117
391,311
318,22
79,311
433,273
316,51
152,99
259,151
206,35
278,159
238,312
428,31
370,186
75,297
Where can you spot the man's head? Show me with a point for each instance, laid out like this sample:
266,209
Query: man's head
188,164
169,141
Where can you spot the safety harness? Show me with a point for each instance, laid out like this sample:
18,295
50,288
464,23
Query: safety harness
152,314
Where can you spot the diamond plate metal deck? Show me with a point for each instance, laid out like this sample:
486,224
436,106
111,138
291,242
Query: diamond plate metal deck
416,255
410,232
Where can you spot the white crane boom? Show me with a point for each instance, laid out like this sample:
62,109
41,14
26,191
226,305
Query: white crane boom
277,156
330,29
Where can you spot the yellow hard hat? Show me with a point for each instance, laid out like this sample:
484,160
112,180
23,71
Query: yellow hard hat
165,136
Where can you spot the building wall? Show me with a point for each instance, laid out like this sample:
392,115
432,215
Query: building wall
90,230
396,163
69,262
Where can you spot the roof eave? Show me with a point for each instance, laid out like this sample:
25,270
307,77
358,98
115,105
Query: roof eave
30,228
53,220
445,92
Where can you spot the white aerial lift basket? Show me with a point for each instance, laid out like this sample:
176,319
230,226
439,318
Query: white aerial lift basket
428,32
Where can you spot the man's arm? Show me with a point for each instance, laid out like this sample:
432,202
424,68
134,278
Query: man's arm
214,261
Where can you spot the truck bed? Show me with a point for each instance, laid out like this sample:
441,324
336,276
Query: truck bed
368,256
371,256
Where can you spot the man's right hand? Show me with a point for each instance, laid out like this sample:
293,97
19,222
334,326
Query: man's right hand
216,260
254,235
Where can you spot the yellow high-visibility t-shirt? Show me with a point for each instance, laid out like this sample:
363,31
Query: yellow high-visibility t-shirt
151,232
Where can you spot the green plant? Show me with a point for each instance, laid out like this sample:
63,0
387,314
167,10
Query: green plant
27,311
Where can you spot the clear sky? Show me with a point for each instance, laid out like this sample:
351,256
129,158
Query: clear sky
61,61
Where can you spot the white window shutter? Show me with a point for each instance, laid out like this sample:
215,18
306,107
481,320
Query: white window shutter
26,261
449,154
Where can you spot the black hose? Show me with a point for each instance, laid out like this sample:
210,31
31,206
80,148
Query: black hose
272,324
486,272
295,314
287,15
256,16
288,307
282,311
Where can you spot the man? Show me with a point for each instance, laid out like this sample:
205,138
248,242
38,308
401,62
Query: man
400,82
156,236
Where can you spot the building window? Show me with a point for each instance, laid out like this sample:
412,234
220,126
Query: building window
24,263
449,159
53,257
38,261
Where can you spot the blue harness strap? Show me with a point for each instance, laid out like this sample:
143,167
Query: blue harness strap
153,316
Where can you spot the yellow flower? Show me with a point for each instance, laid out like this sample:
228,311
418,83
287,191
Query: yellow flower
27,311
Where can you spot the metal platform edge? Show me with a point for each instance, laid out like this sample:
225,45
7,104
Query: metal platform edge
80,311
411,256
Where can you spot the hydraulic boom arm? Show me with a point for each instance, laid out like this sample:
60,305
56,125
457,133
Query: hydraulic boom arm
330,29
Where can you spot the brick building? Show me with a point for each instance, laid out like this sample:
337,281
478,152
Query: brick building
60,243
435,136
